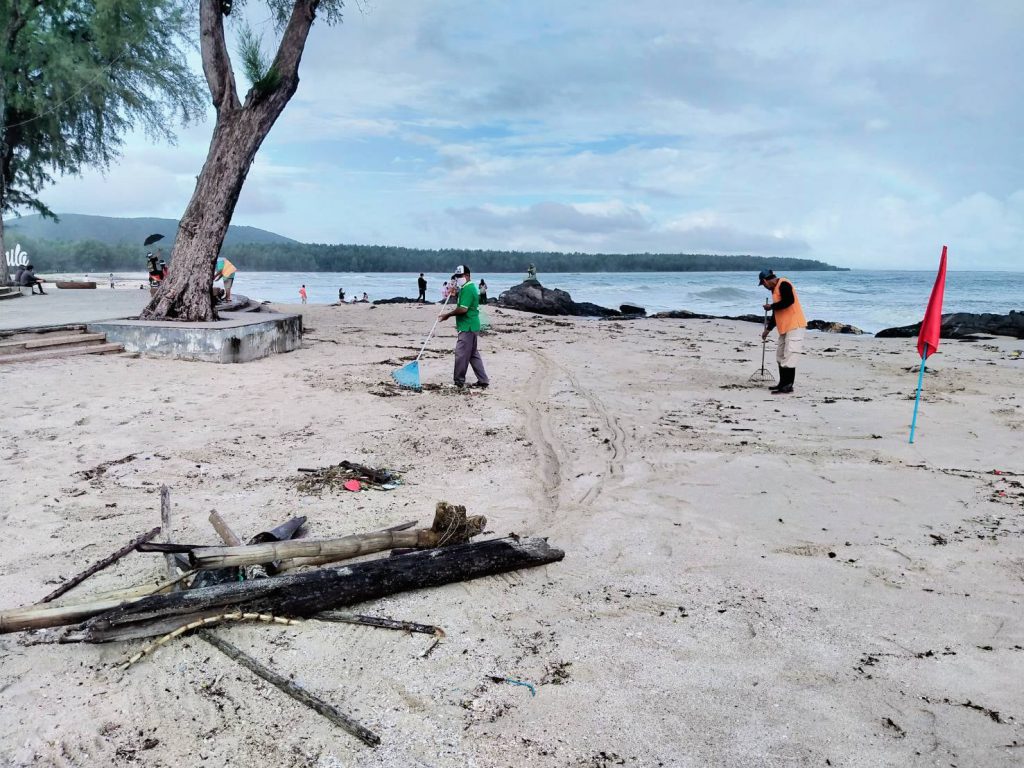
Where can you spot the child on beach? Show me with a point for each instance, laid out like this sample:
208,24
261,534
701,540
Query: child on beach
302,294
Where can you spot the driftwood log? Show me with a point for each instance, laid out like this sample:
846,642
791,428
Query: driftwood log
306,594
451,526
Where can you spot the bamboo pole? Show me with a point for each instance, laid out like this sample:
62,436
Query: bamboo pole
96,567
337,549
300,562
34,617
227,535
142,590
450,526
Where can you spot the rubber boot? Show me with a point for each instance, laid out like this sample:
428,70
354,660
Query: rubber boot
782,379
786,382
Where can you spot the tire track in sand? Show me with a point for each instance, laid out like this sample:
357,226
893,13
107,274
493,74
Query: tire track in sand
552,453
538,429
616,441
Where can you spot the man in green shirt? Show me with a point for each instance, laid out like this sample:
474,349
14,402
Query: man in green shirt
467,323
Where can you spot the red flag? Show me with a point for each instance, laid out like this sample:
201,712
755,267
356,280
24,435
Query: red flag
932,323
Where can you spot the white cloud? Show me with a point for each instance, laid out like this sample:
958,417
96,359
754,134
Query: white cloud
861,132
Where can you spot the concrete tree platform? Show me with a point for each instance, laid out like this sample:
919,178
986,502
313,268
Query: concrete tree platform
237,337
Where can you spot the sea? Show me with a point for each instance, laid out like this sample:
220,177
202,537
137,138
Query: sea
868,299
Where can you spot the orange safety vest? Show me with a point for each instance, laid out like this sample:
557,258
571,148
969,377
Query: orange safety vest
792,316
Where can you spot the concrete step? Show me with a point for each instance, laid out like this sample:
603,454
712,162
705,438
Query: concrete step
48,354
50,340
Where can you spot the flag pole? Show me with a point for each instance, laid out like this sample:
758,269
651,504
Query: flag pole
917,400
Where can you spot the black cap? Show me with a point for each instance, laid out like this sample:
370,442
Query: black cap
765,274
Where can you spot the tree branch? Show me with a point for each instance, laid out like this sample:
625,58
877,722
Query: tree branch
289,52
216,61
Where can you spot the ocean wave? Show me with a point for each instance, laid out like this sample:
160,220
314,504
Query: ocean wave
724,293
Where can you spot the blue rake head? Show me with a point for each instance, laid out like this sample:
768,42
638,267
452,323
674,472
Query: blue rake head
408,376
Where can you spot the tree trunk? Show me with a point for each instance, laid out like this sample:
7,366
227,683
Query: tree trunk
240,130
186,294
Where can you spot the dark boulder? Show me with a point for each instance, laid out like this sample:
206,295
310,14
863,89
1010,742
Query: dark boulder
586,309
398,300
827,327
531,296
632,309
685,314
959,325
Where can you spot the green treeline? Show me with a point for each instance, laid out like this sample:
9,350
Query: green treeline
94,256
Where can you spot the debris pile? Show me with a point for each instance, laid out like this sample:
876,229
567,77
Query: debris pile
317,480
279,579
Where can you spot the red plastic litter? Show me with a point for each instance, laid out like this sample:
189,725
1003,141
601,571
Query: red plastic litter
352,485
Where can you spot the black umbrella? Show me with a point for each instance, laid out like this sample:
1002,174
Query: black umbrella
152,239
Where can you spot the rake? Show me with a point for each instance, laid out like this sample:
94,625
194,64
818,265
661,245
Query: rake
408,376
762,375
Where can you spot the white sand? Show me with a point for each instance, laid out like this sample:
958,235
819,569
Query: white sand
698,618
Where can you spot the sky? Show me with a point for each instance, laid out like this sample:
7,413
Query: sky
865,134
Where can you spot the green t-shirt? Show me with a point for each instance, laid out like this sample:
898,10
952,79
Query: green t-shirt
469,297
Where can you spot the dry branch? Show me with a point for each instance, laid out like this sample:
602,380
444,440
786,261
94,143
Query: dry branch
74,581
301,695
165,525
380,622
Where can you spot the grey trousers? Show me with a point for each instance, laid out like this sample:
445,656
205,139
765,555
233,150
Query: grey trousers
466,354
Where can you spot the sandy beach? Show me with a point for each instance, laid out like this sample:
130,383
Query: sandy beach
749,580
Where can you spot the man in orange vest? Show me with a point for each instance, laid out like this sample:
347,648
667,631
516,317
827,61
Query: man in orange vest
788,318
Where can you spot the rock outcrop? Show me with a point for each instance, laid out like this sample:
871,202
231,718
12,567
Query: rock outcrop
959,325
531,296
813,325
632,310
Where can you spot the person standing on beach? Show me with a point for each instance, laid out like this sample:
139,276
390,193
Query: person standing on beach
302,293
421,284
467,323
788,318
483,292
341,295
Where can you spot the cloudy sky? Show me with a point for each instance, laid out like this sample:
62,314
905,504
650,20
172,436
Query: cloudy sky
863,133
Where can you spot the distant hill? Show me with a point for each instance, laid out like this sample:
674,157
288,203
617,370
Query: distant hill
74,227
100,243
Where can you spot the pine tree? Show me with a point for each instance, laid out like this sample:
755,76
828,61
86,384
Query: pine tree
75,77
